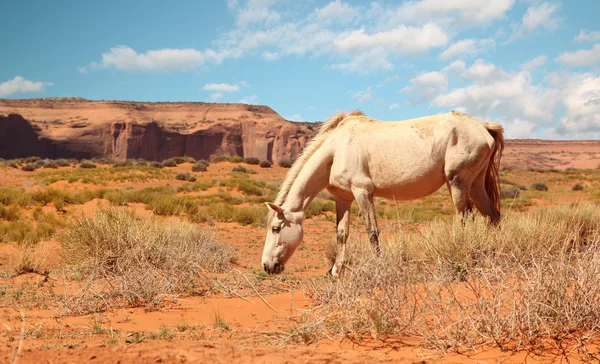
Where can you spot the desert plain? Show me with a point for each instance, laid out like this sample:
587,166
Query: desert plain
128,253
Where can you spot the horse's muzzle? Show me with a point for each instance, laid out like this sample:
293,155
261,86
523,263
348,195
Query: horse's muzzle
273,268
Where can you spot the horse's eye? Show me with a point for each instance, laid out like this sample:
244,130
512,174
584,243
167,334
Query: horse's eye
276,229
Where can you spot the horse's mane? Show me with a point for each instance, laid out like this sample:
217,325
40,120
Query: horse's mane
310,149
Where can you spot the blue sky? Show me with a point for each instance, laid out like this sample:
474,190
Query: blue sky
533,65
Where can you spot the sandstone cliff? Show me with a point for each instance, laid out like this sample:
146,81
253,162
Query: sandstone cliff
78,128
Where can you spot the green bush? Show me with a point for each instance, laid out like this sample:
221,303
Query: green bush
251,160
87,165
539,186
235,159
29,167
169,163
240,169
156,164
286,163
185,176
265,164
511,192
220,158
200,166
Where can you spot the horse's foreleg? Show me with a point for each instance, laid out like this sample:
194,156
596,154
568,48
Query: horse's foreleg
342,208
364,199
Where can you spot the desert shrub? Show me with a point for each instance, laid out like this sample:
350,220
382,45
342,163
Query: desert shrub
39,163
192,179
539,186
188,159
522,187
220,158
286,163
105,161
12,165
235,159
229,213
124,163
251,160
48,163
10,213
63,163
30,258
510,192
16,196
141,162
200,166
317,207
169,163
240,169
535,277
251,171
156,164
577,187
144,257
29,167
265,164
87,165
31,159
184,176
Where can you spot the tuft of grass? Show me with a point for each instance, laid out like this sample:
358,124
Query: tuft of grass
459,285
146,257
220,322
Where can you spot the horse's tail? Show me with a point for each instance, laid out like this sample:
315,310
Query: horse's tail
492,176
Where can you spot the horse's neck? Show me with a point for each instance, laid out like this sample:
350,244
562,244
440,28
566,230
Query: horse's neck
312,179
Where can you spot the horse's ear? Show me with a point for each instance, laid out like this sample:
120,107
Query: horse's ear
274,207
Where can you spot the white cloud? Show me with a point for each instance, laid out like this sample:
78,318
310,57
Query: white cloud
335,11
244,83
270,56
582,103
391,79
542,16
463,12
467,47
585,36
394,106
582,57
426,86
295,117
456,66
252,99
124,58
518,129
21,85
534,63
403,39
254,11
363,95
494,92
216,96
481,70
221,87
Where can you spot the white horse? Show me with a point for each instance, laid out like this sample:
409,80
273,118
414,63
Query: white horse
357,158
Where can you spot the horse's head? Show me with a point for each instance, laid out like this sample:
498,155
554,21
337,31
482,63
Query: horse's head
284,234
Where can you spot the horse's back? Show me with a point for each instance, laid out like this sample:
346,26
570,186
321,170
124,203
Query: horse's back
403,159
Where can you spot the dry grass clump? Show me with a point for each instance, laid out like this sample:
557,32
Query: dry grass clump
141,256
460,285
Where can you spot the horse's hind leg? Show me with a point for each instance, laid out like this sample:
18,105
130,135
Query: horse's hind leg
364,199
342,208
481,199
460,188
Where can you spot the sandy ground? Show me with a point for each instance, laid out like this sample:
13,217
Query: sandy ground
56,338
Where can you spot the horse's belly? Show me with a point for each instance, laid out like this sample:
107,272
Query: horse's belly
409,190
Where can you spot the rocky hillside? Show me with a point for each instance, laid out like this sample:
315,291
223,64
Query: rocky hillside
79,128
